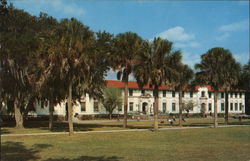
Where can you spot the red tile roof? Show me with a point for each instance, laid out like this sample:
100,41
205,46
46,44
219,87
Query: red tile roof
131,84
134,85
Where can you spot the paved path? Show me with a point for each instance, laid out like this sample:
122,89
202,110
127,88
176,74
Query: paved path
112,131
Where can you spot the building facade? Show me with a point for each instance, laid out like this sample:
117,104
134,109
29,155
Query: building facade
201,98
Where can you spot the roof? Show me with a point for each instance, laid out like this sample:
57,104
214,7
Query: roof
134,85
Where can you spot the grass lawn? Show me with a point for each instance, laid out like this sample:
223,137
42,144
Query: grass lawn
42,126
209,144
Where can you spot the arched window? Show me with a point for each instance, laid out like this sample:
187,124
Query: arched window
203,94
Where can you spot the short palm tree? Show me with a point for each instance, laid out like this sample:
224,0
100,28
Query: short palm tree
112,99
126,47
157,66
185,75
219,69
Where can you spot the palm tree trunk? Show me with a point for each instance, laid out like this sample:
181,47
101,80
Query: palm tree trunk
180,107
51,115
18,115
156,108
126,102
70,111
226,108
215,109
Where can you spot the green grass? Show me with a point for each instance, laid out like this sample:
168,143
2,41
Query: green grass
42,126
209,144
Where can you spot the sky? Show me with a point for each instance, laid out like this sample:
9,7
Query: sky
193,26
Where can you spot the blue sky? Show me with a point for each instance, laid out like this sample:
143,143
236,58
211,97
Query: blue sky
193,26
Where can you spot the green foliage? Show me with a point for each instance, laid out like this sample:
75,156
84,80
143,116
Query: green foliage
245,77
17,55
112,99
218,68
127,46
157,64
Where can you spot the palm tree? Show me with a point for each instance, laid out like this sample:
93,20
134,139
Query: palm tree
157,66
126,47
112,100
68,61
185,75
214,70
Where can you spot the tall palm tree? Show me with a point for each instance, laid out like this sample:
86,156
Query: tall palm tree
185,75
214,70
157,66
68,59
126,47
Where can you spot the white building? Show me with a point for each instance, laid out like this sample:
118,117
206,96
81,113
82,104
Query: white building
142,101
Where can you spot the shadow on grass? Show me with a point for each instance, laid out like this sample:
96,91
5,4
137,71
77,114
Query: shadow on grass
63,126
16,151
4,131
88,158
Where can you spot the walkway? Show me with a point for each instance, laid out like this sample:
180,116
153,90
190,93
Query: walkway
114,131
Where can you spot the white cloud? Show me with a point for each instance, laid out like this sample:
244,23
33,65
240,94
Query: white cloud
176,34
192,44
64,7
242,25
191,59
222,37
242,57
71,9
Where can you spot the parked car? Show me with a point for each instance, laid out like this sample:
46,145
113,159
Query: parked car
243,116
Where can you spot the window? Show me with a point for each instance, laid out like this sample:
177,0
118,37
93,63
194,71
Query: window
240,94
222,95
191,94
209,94
236,95
164,107
236,106
96,108
83,106
222,106
131,105
231,107
42,104
173,107
130,92
154,93
164,93
183,94
210,107
173,94
143,92
231,95
203,94
240,106
119,108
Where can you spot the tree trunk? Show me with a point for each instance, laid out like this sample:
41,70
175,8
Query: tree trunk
215,109
226,108
126,102
51,107
156,108
18,115
180,107
70,110
110,116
